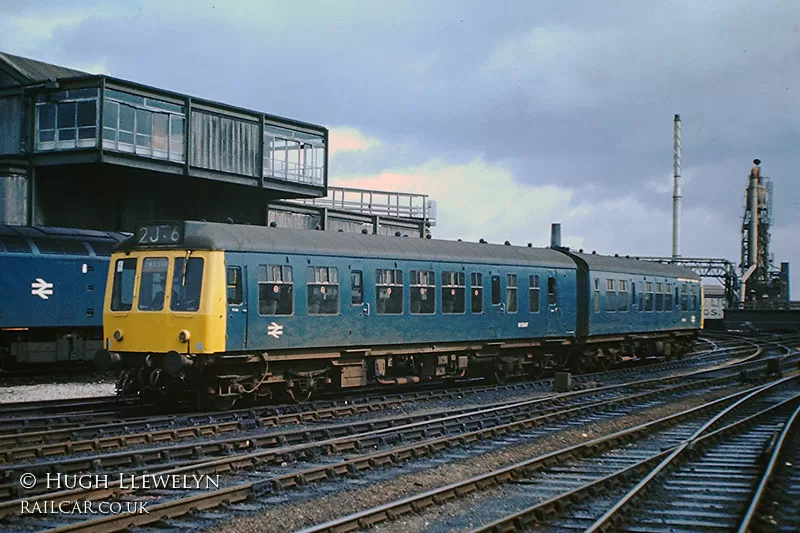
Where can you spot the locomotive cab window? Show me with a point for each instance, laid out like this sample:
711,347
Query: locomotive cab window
476,288
323,291
153,283
389,292
552,298
495,290
187,282
275,290
234,285
122,289
533,294
423,292
356,287
453,292
511,293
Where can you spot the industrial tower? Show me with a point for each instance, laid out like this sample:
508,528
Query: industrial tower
763,284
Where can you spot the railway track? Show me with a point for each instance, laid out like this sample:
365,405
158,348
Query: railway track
255,465
713,470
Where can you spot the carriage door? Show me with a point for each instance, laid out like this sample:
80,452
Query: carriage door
236,330
554,299
360,301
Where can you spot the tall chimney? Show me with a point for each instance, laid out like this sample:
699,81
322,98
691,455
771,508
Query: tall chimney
752,193
555,235
676,190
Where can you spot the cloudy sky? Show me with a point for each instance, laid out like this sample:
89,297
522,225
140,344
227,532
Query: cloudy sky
510,114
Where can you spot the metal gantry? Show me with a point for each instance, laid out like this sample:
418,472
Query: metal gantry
720,269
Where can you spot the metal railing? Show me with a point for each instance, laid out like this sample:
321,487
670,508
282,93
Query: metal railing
382,203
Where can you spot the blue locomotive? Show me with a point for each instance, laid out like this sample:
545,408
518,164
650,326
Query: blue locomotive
51,293
231,311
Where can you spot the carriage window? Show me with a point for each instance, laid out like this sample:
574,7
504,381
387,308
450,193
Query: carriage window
511,293
596,295
668,297
423,292
694,297
495,290
648,304
453,292
153,283
641,296
622,297
659,297
187,281
122,290
275,290
356,288
611,297
389,292
323,291
234,285
551,291
533,294
633,293
476,286
684,298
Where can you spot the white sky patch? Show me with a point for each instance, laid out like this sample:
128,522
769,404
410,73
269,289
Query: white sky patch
349,139
33,28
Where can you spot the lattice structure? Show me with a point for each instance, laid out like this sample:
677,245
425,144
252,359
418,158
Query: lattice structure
719,269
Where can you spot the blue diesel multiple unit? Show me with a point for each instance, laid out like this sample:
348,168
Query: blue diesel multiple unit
231,310
51,293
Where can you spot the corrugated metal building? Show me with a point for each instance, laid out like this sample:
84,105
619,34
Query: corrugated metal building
94,151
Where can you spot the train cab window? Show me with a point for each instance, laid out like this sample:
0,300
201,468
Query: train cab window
533,294
511,293
659,297
323,291
275,290
622,296
611,297
476,288
124,279
495,290
596,295
423,292
684,298
389,292
187,282
234,285
668,297
153,283
356,287
453,289
552,298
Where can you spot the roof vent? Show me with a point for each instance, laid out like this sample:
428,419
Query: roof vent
482,241
616,255
594,253
363,231
530,245
398,234
580,250
428,236
507,243
273,224
459,240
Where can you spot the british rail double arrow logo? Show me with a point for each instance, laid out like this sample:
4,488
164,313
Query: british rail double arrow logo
41,288
275,330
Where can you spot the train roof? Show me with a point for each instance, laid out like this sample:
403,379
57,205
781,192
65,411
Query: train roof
243,238
605,263
39,232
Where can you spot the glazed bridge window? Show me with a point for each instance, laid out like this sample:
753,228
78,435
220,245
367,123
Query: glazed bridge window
153,283
533,294
476,286
187,281
275,290
423,292
323,291
511,293
122,290
389,292
453,289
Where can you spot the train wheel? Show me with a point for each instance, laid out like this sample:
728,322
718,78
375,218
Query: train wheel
300,390
209,400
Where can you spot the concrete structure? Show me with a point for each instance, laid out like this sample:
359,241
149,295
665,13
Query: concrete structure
94,151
